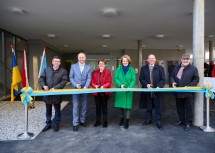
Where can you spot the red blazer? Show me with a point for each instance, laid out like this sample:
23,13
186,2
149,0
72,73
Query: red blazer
102,79
213,72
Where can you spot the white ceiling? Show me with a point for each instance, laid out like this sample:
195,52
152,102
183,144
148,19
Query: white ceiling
80,23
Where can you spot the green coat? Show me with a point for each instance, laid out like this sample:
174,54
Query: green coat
124,99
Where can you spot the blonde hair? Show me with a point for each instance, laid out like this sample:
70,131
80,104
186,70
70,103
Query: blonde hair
127,57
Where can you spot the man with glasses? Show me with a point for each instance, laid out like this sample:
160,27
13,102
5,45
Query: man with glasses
54,77
184,75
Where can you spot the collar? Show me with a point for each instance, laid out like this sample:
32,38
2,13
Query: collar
81,64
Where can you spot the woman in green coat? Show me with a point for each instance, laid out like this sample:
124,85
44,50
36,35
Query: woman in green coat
124,77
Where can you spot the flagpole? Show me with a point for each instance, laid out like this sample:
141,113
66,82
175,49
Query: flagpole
32,106
26,134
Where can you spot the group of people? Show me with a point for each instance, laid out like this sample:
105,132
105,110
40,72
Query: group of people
152,75
209,69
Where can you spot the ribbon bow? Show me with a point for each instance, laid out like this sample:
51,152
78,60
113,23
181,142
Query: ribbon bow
208,93
25,96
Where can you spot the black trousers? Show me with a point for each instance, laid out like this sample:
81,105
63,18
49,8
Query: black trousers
157,113
57,117
184,109
101,106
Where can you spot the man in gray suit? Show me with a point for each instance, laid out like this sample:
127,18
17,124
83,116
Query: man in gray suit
80,77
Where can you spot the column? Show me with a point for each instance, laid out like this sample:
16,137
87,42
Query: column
140,54
211,53
198,57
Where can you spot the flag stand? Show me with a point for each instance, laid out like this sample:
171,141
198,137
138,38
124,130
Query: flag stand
207,128
25,134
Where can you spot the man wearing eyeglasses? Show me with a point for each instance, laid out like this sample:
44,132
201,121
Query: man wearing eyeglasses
184,75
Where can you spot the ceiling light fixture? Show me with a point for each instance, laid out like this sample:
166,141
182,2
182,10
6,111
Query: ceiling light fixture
17,11
50,35
106,36
143,46
66,46
104,46
210,36
160,36
110,12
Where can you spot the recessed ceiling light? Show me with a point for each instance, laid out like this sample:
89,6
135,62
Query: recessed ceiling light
210,36
17,11
50,35
106,36
160,36
65,46
143,46
104,46
110,12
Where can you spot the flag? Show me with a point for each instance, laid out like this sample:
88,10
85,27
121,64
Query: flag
16,77
43,64
24,70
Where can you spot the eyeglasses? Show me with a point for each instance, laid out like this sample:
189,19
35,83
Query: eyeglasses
185,59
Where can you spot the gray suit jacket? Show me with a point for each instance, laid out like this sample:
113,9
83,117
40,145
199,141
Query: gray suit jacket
76,77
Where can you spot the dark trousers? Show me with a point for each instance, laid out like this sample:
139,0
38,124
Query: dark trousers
125,113
157,113
57,117
184,109
101,107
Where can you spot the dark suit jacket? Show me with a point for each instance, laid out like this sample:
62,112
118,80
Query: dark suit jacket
190,77
53,79
158,81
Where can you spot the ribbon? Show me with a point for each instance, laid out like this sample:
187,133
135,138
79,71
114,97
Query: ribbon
25,96
93,90
208,93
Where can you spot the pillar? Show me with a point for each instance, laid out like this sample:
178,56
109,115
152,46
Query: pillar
140,52
198,57
211,53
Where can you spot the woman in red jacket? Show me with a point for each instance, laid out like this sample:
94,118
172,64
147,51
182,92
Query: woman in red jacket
101,78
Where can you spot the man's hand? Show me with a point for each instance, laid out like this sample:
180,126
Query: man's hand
78,86
46,88
174,85
149,85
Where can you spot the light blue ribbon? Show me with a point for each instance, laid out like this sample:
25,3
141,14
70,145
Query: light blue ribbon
25,96
208,93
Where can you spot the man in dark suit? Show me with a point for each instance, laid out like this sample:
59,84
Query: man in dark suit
80,77
152,76
184,75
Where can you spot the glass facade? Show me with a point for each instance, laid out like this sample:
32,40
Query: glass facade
7,39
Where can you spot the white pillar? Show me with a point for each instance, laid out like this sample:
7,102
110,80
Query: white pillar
198,57
140,54
211,52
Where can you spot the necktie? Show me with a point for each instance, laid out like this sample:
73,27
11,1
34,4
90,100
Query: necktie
151,75
81,68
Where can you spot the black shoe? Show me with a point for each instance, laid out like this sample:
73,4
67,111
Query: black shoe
126,124
179,123
83,124
121,122
147,123
56,127
159,126
75,128
47,127
105,124
97,123
187,127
